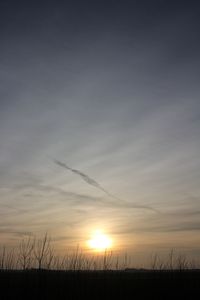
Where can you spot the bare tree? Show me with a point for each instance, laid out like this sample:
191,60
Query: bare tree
9,260
181,261
171,260
49,258
157,263
154,261
26,253
77,260
42,251
2,258
107,260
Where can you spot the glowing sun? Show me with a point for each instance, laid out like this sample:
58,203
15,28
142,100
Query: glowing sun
99,241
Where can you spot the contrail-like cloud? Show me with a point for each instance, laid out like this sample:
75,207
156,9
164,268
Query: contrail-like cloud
94,183
85,177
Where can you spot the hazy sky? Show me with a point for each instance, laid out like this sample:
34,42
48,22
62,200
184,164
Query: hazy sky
111,89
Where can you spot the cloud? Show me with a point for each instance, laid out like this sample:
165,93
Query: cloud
85,177
174,221
91,181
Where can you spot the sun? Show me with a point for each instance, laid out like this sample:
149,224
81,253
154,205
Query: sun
99,241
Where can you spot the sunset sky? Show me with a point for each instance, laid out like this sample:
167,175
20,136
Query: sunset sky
109,89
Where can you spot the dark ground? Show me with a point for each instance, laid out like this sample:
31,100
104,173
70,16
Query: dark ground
99,285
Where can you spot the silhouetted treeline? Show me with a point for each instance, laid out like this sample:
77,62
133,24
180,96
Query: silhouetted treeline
34,271
38,253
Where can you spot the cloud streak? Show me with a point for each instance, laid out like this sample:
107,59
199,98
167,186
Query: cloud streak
85,177
94,183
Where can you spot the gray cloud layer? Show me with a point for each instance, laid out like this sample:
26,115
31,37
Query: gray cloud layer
113,91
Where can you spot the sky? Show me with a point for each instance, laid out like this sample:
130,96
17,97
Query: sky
99,123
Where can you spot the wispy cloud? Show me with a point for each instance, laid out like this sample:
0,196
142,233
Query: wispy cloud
94,183
85,177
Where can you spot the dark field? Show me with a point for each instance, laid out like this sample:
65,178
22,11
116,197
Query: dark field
34,284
